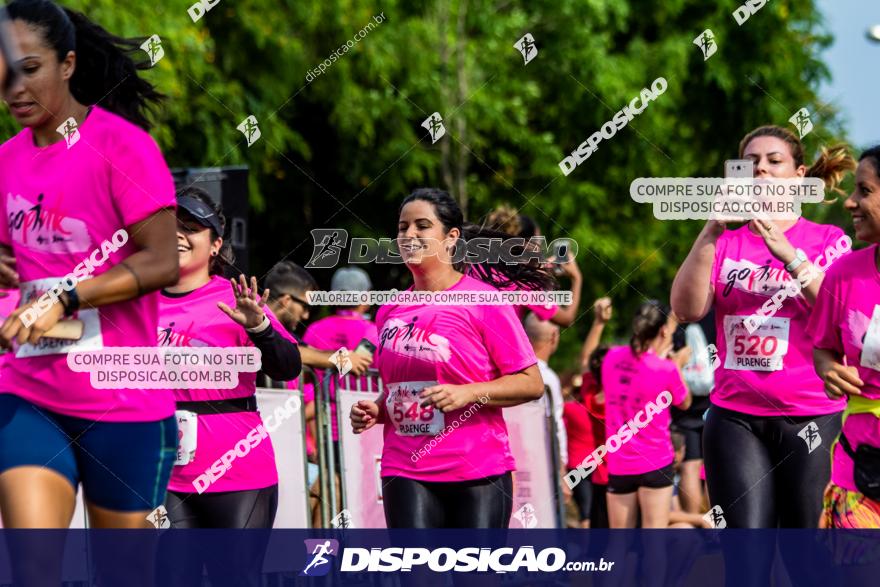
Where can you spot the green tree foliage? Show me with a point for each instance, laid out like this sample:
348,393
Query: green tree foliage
342,149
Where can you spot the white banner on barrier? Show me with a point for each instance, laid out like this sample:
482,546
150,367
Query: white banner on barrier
288,441
362,458
534,491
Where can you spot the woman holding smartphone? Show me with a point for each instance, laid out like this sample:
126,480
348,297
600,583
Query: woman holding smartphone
448,369
766,391
65,194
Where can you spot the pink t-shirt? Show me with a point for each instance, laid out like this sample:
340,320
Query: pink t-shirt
61,204
8,304
344,329
194,320
846,320
456,345
770,371
630,384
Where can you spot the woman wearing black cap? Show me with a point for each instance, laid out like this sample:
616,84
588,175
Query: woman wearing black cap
226,476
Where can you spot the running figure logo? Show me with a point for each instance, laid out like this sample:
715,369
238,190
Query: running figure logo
526,516
159,518
153,47
712,351
328,245
250,129
801,120
317,551
434,124
342,521
810,434
706,42
341,361
715,517
69,131
527,47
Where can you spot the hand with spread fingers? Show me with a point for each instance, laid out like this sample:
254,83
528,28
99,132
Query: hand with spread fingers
248,311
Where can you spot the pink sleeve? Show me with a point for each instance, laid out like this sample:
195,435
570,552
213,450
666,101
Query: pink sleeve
140,181
823,326
506,341
543,312
677,387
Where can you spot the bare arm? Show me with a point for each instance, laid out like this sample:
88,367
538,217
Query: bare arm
692,289
601,315
506,391
154,265
316,359
566,315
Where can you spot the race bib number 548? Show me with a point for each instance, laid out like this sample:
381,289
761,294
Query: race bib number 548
406,412
761,350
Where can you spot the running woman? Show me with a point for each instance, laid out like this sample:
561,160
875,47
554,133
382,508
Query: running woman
759,470
201,310
99,196
640,384
845,325
448,369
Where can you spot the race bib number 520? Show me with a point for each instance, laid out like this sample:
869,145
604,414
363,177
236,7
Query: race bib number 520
761,350
406,412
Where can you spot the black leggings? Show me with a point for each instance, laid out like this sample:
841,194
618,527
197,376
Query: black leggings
482,503
253,508
230,558
762,473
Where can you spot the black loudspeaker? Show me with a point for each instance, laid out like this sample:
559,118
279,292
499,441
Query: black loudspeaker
228,186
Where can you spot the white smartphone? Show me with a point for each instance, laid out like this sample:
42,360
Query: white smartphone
739,168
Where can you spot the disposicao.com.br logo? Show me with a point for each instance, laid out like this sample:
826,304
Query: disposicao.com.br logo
442,560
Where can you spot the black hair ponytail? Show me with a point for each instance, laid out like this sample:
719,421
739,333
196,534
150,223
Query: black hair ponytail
650,318
106,70
528,276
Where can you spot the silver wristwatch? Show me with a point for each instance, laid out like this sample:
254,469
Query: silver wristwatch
799,257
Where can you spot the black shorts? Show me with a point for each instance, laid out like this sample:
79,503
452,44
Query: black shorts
693,443
657,479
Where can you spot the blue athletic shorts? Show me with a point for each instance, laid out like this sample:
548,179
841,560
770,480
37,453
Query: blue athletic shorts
123,466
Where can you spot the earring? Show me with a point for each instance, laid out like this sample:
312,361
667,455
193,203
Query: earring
214,254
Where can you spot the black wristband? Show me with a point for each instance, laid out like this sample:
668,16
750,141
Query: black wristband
71,305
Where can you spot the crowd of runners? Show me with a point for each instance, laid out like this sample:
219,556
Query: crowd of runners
699,418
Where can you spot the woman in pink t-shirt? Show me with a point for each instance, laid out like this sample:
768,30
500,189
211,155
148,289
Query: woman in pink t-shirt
759,469
640,384
447,372
845,326
84,190
207,489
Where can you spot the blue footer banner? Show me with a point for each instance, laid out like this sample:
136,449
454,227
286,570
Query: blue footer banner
430,558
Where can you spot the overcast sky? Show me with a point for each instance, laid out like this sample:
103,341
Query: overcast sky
855,67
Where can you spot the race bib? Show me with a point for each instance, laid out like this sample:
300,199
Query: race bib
187,436
406,413
761,350
871,347
91,340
